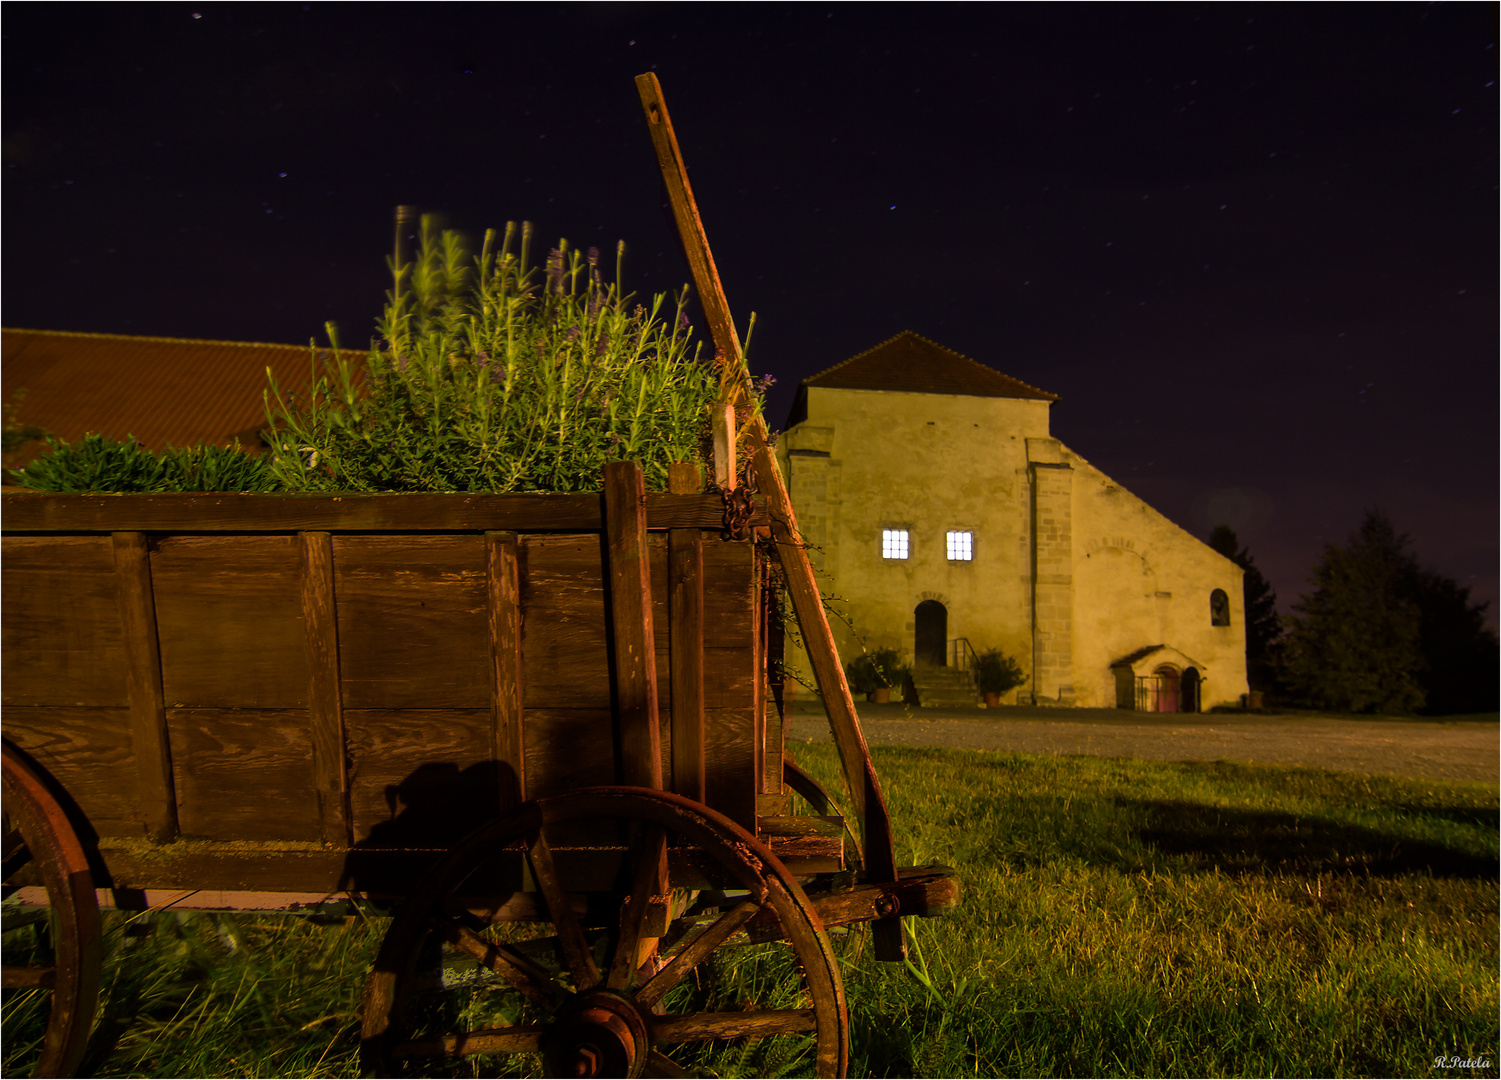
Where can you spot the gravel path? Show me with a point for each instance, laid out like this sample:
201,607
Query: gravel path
1464,749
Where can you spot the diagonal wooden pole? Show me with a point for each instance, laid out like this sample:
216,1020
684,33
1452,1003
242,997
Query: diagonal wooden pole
854,756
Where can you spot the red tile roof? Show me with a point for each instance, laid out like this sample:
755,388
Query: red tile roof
912,364
161,390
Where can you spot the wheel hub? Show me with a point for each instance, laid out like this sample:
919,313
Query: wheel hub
599,1034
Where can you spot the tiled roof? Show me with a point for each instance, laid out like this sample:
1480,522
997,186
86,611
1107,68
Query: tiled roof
161,390
912,364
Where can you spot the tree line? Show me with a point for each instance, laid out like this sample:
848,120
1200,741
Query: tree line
1378,633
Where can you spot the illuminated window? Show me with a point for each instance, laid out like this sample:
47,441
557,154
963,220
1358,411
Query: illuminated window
893,543
961,546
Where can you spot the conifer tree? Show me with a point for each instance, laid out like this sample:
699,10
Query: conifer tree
1263,626
1355,642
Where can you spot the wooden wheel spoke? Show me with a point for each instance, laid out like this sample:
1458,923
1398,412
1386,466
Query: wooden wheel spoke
755,1024
27,976
15,854
691,955
508,1040
570,932
519,972
16,920
648,878
659,1064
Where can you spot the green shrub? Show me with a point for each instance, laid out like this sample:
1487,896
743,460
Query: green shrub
996,672
99,463
485,378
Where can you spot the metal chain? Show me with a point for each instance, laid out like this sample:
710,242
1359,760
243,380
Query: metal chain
739,505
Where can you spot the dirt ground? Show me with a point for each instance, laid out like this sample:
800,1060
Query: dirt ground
1439,749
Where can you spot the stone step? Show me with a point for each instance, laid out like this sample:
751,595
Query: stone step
941,687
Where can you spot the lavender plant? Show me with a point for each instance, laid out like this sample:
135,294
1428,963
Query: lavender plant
490,377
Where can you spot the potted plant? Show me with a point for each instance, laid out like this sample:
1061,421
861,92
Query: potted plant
875,673
996,673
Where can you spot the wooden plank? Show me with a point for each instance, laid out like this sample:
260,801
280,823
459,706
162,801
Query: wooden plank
773,734
420,777
148,718
88,751
325,703
503,590
191,512
758,681
230,619
61,623
729,594
245,774
686,622
730,764
632,625
686,618
189,865
568,749
413,625
812,845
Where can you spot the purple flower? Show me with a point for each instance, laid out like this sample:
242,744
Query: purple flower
572,333
555,270
593,254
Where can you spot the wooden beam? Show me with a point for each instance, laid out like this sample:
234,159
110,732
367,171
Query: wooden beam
691,228
686,637
630,608
324,695
504,605
155,794
844,724
193,512
722,419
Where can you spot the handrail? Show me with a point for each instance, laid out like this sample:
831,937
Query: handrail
961,654
962,658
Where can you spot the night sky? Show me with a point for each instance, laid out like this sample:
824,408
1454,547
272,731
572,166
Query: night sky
1253,249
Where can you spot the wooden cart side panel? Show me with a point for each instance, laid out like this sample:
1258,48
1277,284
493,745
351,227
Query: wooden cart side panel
89,752
567,749
413,621
230,621
62,641
420,777
244,774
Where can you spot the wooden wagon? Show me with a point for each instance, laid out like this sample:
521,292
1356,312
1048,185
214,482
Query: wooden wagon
546,731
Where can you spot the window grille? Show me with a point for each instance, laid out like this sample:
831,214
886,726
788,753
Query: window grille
893,543
961,546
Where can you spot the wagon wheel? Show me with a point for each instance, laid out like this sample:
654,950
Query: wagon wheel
39,838
589,991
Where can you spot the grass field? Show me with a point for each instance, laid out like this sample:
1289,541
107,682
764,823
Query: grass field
1120,918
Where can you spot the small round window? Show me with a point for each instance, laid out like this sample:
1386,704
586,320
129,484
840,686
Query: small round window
1219,608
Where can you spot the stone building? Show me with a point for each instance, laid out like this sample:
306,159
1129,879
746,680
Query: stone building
946,519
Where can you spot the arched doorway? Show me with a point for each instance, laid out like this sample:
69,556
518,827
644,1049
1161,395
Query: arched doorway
931,646
1167,689
1188,698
